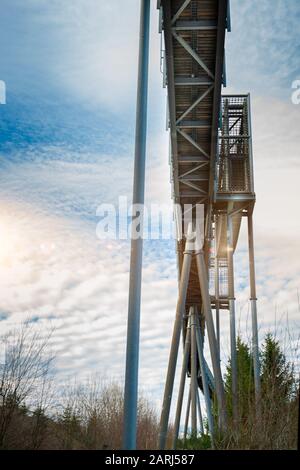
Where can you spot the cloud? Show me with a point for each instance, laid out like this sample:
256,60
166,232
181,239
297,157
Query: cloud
55,271
86,51
275,132
263,46
66,158
58,274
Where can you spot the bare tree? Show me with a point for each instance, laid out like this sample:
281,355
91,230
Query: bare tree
92,417
43,399
24,368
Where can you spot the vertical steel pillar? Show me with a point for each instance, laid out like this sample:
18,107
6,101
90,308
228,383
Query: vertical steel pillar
212,338
186,355
217,293
133,326
232,318
187,416
194,384
183,285
253,299
217,286
200,413
204,379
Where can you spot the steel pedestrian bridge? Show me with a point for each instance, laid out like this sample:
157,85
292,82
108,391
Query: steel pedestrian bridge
212,167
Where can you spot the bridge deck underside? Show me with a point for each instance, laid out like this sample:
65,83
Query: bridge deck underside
191,42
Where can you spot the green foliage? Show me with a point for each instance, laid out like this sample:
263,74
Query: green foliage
23,409
275,426
39,413
245,379
277,374
11,401
195,443
71,424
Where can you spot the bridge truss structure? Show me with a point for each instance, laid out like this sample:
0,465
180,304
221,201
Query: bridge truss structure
211,166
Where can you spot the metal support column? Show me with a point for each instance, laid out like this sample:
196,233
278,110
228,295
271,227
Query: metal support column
217,284
194,383
133,326
186,355
200,413
187,416
215,358
204,379
253,299
232,318
217,293
183,285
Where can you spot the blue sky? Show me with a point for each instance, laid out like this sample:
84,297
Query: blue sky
264,47
66,146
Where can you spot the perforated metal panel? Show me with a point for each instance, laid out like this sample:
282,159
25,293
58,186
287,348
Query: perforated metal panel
223,278
234,168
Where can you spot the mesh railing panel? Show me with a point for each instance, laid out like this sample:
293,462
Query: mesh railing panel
234,146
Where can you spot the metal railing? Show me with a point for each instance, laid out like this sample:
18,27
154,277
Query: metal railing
235,158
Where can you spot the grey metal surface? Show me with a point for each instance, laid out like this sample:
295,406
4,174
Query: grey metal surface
187,416
212,339
211,164
204,376
194,34
255,347
200,413
183,286
186,355
233,352
133,325
194,383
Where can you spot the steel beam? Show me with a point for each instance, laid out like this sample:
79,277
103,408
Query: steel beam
235,197
183,285
192,81
250,144
192,141
199,413
204,378
186,355
198,167
235,137
133,326
200,25
193,105
192,194
203,176
222,13
166,4
234,371
193,159
228,17
217,289
194,383
180,10
187,416
191,185
255,343
194,54
194,124
202,273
